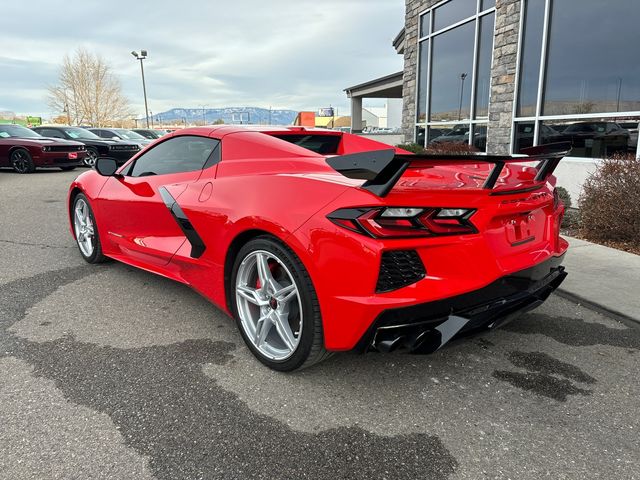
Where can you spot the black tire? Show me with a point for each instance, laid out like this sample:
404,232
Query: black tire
91,157
67,169
96,255
310,349
21,161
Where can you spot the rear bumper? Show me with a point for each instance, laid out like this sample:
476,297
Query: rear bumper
425,327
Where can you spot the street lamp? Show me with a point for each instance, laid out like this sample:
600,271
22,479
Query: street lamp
204,115
463,76
141,57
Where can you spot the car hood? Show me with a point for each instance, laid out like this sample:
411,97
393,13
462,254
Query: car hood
46,141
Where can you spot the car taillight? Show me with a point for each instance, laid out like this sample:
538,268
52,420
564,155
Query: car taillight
403,222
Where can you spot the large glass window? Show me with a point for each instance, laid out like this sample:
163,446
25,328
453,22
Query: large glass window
451,68
454,72
423,64
453,12
483,79
530,57
589,67
590,80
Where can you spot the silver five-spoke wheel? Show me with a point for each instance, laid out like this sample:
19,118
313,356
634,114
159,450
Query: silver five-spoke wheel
83,226
91,158
269,305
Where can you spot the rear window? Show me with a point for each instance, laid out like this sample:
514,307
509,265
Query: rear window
322,144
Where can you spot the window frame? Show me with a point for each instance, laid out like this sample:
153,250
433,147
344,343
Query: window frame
472,121
213,159
539,118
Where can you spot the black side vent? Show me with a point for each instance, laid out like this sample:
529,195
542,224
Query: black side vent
398,269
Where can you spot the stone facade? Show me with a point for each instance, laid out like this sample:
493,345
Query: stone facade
503,75
409,87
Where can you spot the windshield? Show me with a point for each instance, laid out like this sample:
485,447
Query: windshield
17,131
81,133
128,134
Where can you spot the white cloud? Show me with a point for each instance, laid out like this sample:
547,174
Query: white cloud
296,54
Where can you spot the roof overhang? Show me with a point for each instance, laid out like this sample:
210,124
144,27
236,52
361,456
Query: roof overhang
389,86
398,42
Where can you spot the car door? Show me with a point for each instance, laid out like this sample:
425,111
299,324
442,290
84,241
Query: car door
135,207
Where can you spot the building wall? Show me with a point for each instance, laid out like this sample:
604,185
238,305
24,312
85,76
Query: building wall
409,86
503,71
503,76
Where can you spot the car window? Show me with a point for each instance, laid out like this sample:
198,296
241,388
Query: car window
50,132
17,131
322,144
186,153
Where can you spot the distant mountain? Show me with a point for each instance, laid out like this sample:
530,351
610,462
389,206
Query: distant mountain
229,115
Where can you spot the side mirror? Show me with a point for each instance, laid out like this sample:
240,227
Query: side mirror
106,167
115,138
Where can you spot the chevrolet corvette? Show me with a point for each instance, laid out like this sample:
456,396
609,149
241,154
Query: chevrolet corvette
318,241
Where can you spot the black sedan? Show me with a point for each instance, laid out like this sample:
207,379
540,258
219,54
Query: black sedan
96,147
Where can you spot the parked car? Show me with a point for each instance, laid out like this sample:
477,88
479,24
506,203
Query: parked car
525,132
25,150
96,147
149,133
460,134
375,257
121,134
632,128
595,138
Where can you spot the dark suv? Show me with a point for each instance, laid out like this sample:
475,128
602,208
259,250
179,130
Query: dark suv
96,146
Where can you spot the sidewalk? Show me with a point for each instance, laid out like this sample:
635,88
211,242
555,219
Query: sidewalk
604,277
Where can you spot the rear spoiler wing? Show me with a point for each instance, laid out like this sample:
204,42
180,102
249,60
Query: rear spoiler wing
383,168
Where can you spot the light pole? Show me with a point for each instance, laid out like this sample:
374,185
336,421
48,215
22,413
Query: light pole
463,76
204,115
141,57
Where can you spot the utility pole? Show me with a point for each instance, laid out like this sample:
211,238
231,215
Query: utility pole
141,57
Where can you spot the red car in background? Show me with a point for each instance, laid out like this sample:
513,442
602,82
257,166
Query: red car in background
318,241
25,150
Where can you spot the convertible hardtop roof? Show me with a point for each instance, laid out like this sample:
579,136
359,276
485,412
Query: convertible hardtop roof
219,131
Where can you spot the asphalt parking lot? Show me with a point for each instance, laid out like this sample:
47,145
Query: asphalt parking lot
111,372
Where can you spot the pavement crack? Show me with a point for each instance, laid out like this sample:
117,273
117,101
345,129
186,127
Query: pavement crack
31,244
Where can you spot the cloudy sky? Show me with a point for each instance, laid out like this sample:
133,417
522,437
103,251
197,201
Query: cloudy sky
297,54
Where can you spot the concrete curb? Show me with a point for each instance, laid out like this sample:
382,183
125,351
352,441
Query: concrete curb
601,309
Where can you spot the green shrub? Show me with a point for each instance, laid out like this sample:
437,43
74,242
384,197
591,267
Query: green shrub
609,206
411,147
565,197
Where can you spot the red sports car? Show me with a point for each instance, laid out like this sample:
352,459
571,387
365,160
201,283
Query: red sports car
319,241
25,150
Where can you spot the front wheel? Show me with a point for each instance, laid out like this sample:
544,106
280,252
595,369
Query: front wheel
91,157
21,161
275,306
86,231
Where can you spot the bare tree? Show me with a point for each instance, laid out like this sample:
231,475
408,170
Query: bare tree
87,91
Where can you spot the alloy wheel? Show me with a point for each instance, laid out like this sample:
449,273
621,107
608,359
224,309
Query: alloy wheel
91,158
20,161
269,305
83,226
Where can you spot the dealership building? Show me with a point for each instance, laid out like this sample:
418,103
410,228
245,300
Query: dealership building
503,75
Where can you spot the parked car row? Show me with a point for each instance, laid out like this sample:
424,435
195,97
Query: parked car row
67,147
599,137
